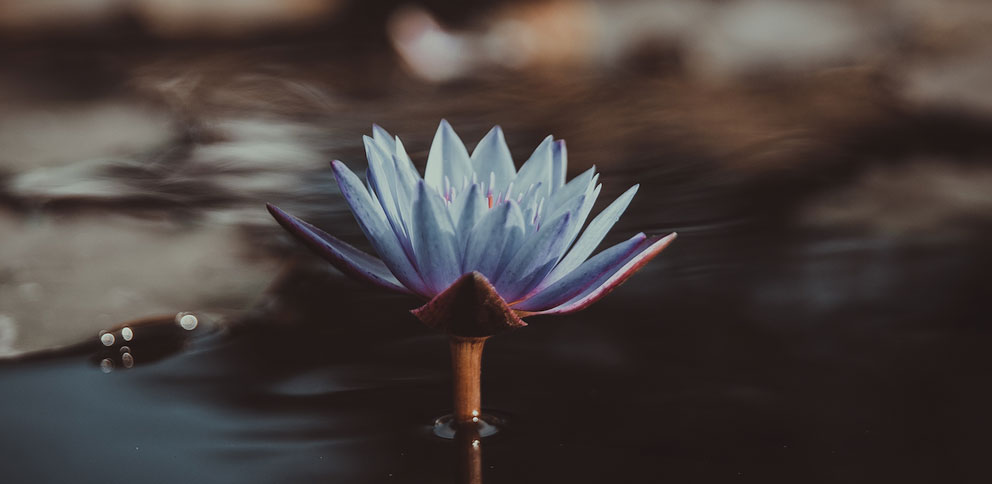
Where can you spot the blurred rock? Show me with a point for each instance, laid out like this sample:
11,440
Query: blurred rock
925,197
957,82
755,36
48,135
86,275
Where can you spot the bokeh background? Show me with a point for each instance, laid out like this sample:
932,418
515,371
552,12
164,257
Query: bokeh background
823,315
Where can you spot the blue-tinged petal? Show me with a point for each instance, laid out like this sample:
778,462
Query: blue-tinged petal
447,158
395,223
588,200
488,238
434,240
575,187
545,245
514,237
531,202
492,156
537,169
592,236
346,258
466,211
391,193
383,138
578,280
527,282
383,180
405,165
559,165
646,251
372,220
406,183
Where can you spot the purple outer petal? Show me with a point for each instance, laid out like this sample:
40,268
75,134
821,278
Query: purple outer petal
647,251
591,237
371,218
577,281
346,258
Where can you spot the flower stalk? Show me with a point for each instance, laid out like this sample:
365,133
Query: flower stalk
466,365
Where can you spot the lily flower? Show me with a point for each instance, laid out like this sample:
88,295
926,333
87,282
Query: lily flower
486,244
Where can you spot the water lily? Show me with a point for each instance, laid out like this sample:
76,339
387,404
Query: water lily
485,243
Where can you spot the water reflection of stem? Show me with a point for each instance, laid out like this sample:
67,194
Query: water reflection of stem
469,454
466,365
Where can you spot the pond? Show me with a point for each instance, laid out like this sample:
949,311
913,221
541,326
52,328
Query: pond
823,316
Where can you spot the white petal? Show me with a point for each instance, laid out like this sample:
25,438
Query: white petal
466,211
575,187
592,236
486,240
559,165
447,158
544,246
537,169
372,220
405,164
491,158
382,178
434,240
383,138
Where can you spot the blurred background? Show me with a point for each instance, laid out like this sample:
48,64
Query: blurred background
822,316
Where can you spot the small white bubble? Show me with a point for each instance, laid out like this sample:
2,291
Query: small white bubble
127,334
475,419
107,338
475,443
187,321
107,365
127,360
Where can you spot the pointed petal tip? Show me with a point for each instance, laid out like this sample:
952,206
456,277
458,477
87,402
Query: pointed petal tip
651,247
346,258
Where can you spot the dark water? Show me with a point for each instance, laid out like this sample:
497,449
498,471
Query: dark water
823,316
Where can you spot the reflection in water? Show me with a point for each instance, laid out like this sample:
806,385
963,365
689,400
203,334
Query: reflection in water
153,339
468,445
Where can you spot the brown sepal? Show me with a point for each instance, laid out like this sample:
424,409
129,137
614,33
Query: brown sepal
470,307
